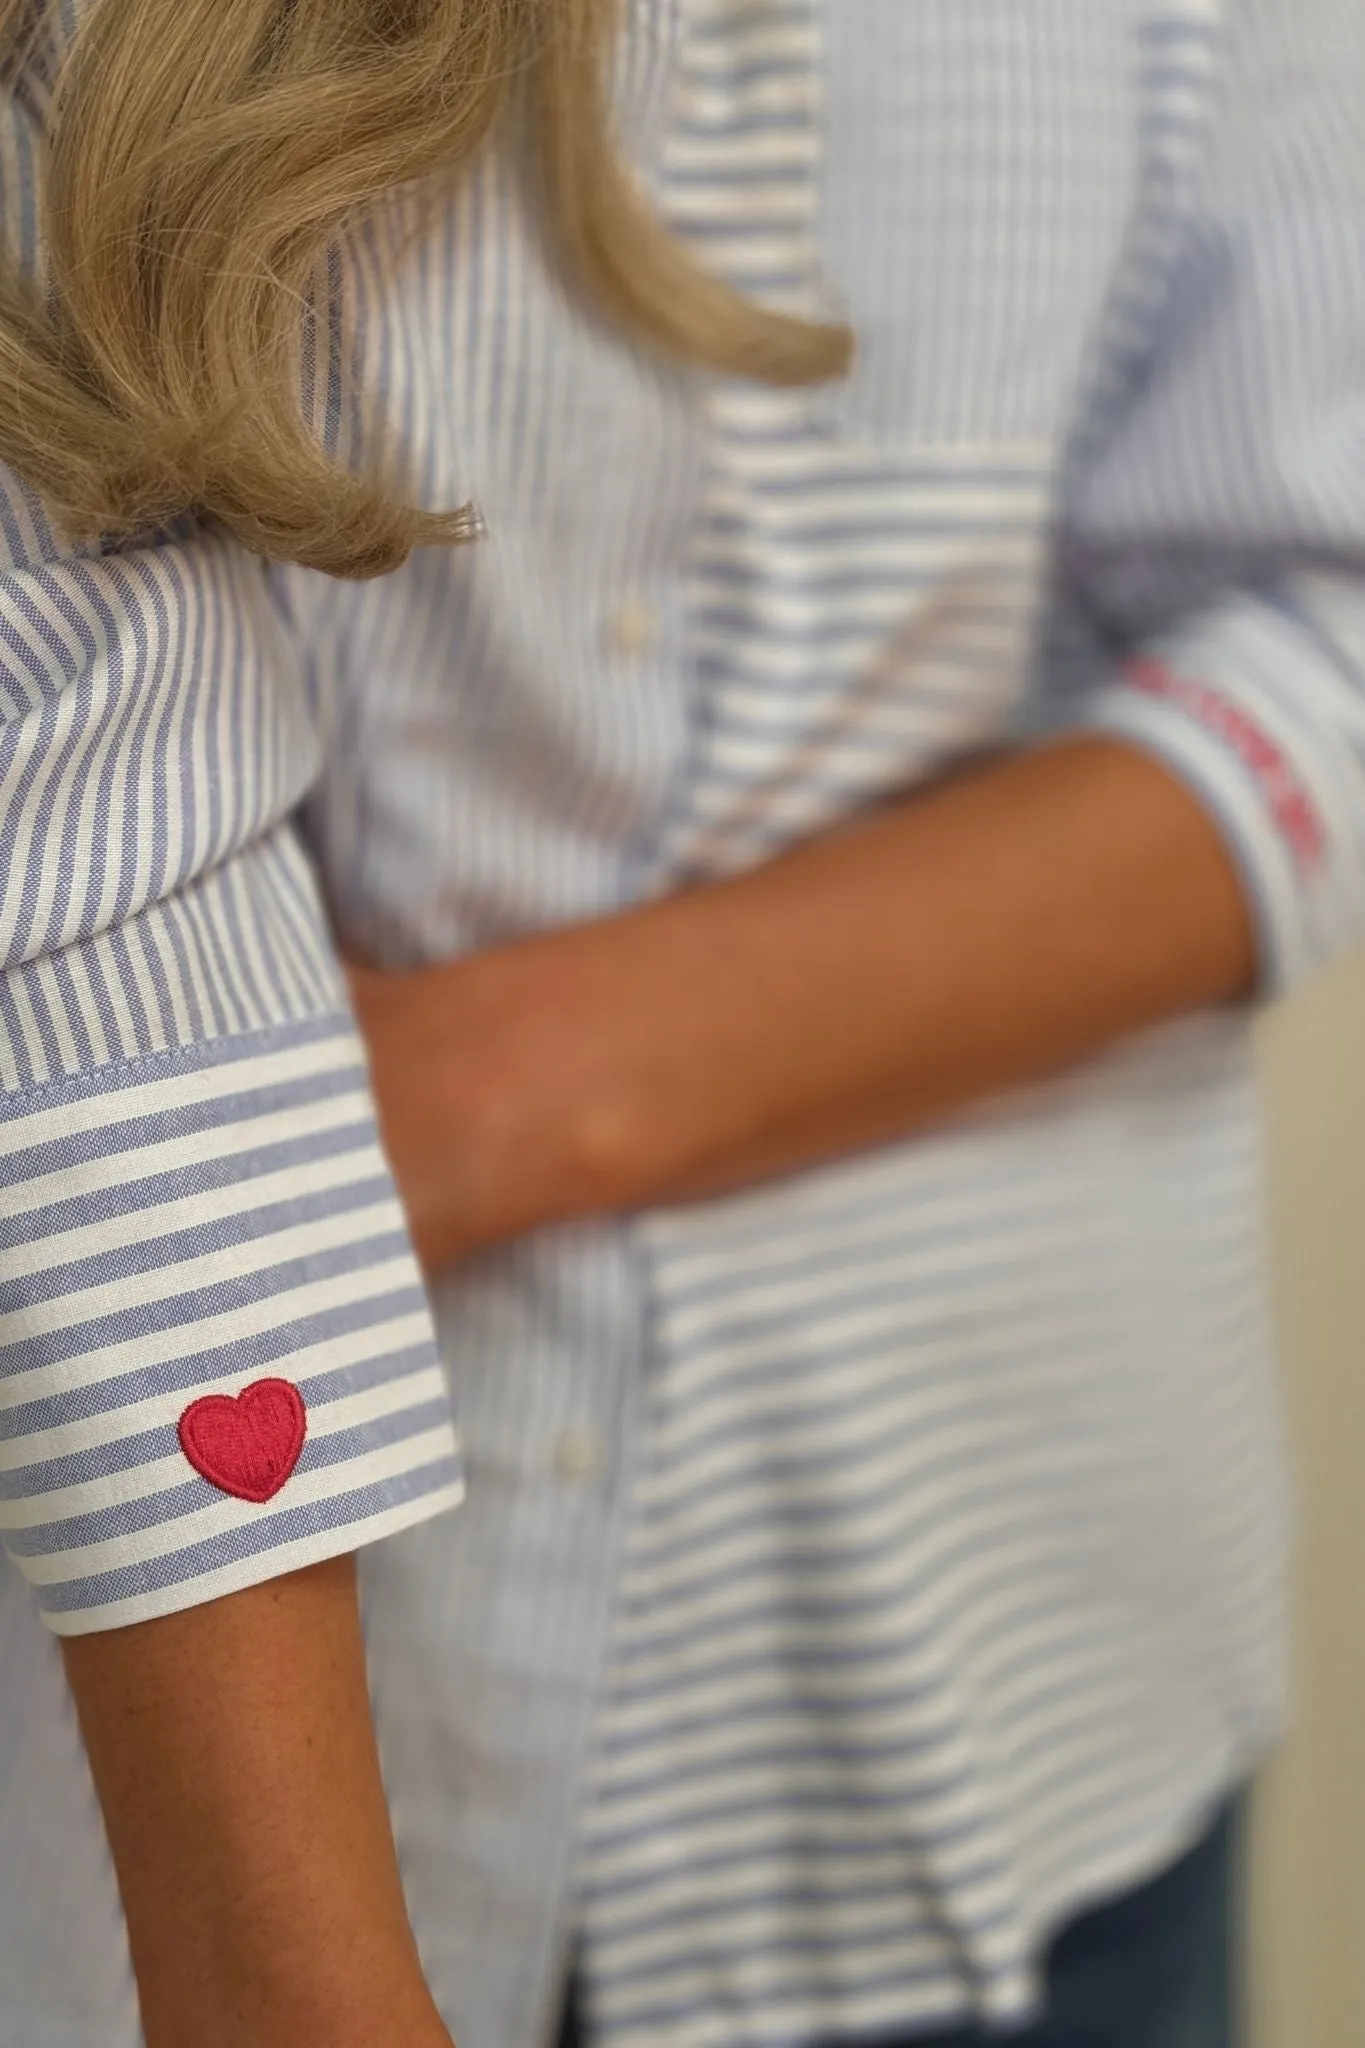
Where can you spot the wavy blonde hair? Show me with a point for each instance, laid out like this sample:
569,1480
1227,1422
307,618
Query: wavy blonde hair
204,155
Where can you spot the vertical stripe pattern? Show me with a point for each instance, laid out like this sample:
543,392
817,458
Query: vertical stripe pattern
860,1575
192,1194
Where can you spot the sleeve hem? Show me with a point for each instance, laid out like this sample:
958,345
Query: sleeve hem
255,1571
217,1361
1170,738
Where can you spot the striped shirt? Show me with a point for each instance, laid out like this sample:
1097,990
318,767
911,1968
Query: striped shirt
862,1574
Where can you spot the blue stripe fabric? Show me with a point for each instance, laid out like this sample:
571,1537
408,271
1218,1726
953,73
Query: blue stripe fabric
861,1575
190,1223
193,1191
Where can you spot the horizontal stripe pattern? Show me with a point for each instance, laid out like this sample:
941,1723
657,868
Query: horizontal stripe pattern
193,1190
191,1224
857,1575
882,1521
872,1729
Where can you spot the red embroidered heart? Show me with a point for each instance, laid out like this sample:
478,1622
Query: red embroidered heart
247,1447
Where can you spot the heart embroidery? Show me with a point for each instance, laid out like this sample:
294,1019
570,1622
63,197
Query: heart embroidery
247,1447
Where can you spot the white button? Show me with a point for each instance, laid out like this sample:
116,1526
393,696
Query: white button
634,627
578,1454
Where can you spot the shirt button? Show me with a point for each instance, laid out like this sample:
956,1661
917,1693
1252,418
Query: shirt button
577,1454
634,627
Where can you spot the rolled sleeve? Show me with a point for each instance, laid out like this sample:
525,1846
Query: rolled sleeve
216,1358
1212,529
192,1225
1260,709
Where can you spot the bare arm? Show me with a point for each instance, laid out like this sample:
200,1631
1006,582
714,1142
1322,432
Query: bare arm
234,1757
963,941
994,933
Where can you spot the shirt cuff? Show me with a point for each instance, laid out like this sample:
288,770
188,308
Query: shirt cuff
216,1358
1242,705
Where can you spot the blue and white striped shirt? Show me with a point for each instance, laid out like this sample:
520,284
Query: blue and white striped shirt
859,1575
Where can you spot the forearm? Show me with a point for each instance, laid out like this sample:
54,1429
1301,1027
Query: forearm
966,941
233,1753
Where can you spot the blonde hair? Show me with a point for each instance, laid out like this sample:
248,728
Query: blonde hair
203,157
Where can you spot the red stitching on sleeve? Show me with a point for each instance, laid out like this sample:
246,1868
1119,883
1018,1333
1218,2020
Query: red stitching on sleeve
1290,803
248,1446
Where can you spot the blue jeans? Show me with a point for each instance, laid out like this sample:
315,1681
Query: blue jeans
1156,1969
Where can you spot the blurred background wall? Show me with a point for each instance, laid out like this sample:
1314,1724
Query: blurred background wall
1307,1905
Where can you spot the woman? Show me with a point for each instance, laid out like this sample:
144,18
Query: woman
804,867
